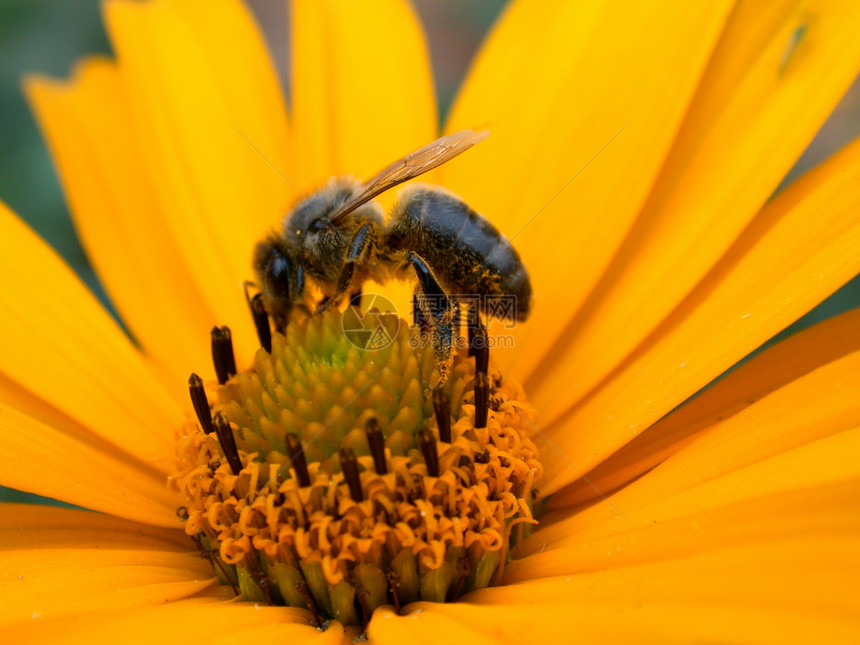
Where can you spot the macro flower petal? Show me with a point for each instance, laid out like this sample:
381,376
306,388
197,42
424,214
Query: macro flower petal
691,522
182,621
60,344
774,368
582,108
777,72
788,590
112,194
388,627
785,441
797,251
62,562
208,113
105,478
362,89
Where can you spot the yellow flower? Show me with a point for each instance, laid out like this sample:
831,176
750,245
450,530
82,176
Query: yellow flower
634,149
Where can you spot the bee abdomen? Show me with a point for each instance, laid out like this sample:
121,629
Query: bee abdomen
466,252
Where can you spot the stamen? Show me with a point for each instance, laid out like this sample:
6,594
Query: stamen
214,560
427,443
200,403
481,349
482,399
261,322
481,352
473,323
377,445
297,460
349,465
442,409
222,354
380,507
228,442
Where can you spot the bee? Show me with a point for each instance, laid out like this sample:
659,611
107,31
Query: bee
338,237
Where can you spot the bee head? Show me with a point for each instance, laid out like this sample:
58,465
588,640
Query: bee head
280,278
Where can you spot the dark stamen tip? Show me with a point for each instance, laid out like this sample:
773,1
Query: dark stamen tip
473,323
427,443
261,322
349,465
482,399
200,403
297,460
442,409
377,445
222,353
228,442
481,350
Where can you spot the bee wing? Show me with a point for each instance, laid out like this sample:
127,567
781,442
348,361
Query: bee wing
415,163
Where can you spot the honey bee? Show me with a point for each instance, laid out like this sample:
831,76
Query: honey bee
338,237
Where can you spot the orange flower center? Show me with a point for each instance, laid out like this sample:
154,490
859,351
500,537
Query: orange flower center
330,477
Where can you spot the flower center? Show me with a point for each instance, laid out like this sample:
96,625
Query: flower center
330,477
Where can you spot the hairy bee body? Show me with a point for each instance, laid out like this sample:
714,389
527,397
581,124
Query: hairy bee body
339,237
468,255
320,247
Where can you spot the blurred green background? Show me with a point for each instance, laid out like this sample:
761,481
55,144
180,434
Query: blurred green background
47,36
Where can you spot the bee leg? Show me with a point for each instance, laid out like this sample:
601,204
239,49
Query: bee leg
479,348
355,298
440,311
359,247
418,317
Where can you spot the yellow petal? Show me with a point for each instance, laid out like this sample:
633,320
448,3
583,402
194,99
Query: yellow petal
207,111
583,100
765,93
59,343
795,589
185,621
362,88
653,535
785,441
112,196
387,627
26,524
44,461
797,251
26,402
701,519
770,370
48,578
